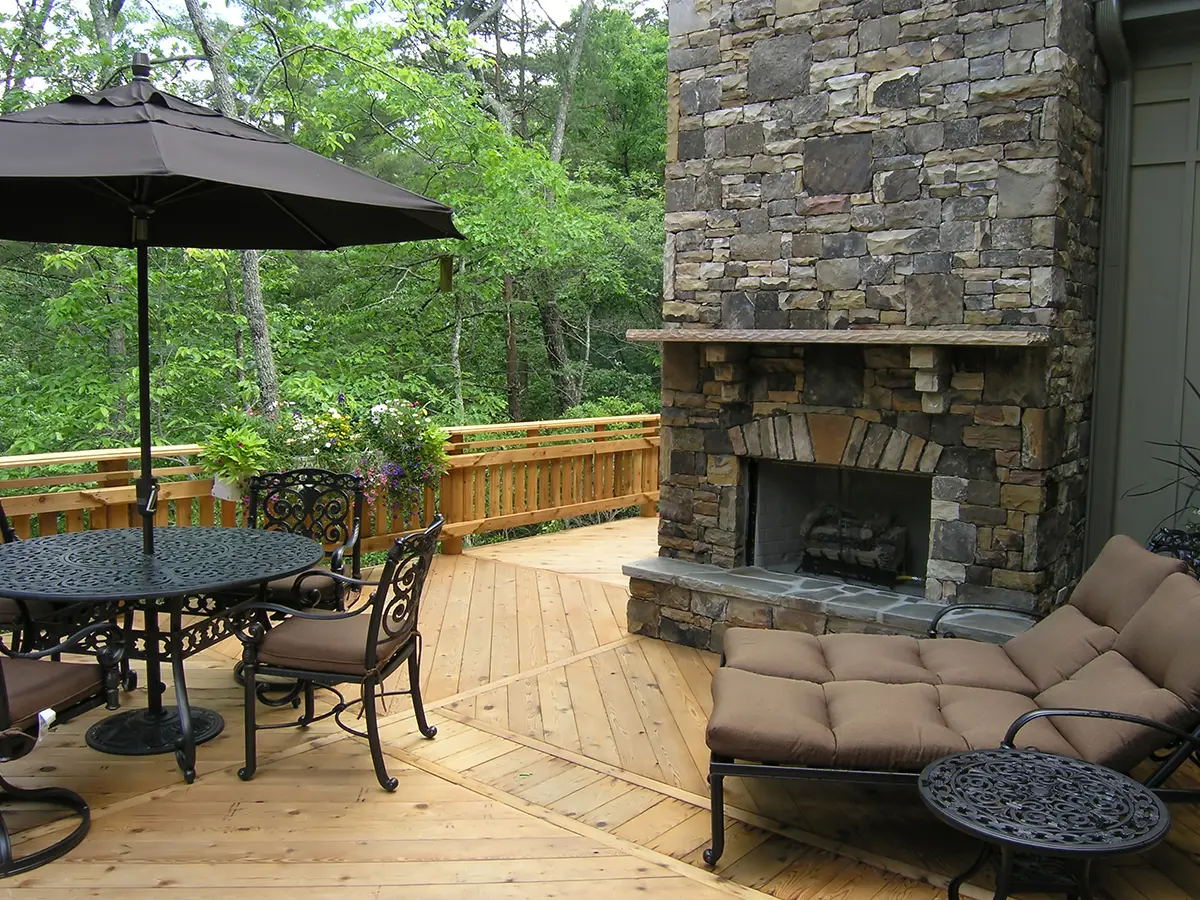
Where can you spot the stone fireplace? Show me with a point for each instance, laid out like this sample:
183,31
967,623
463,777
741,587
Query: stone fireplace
878,311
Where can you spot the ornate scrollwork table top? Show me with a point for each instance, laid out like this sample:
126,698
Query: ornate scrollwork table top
1043,803
110,565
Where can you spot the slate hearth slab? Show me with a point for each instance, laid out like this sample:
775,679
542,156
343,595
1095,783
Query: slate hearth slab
818,595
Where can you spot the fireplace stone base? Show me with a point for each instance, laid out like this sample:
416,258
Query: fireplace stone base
694,603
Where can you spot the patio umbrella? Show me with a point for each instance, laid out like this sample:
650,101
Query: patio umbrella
133,166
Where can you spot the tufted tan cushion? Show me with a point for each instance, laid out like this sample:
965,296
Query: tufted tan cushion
1059,646
862,724
889,659
1121,579
1111,682
1162,639
319,645
34,684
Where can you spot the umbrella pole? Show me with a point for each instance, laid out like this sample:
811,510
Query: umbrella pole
147,484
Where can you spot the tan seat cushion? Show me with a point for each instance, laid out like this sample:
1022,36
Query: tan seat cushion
1059,646
34,684
1121,579
1111,682
324,645
1163,638
282,590
888,659
861,724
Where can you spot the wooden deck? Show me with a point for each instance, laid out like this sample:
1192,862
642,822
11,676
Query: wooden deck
569,763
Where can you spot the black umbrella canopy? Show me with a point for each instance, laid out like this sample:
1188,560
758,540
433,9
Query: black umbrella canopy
79,170
133,166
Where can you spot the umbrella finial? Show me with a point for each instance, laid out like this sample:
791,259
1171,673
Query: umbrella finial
141,66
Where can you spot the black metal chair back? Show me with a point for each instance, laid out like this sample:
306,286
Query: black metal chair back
7,534
316,503
397,603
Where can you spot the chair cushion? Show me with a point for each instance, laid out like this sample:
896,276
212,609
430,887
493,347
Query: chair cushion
1059,646
34,684
282,590
861,724
1111,682
1121,579
1162,637
10,609
324,645
784,654
888,659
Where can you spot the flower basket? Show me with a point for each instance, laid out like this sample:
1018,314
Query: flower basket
227,489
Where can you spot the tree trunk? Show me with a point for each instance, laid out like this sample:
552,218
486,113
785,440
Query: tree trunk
239,346
456,358
260,338
565,388
256,313
513,368
32,31
568,85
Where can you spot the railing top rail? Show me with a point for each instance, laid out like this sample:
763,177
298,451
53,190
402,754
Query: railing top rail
551,423
75,457
83,457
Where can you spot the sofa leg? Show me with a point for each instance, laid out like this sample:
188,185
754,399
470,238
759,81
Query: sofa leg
717,790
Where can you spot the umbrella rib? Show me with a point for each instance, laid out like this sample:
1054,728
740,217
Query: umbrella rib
295,218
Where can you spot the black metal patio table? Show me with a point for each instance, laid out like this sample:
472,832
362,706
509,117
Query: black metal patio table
194,572
1050,816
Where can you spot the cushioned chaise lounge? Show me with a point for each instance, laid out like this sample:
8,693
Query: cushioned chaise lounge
878,708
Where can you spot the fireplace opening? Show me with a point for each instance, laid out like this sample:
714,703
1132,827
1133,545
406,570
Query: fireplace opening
858,525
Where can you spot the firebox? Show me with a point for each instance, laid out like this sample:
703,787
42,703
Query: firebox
854,524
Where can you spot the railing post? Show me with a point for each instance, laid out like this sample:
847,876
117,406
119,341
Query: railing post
118,516
452,499
649,466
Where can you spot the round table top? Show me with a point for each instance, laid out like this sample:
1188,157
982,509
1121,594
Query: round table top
110,565
1043,803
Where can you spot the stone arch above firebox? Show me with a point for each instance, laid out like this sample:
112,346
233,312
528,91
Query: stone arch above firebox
835,440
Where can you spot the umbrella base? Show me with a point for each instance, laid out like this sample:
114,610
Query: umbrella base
140,732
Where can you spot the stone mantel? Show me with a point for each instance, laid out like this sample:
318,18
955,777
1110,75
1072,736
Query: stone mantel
911,337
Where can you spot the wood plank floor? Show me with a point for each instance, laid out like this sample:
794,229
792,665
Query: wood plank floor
569,762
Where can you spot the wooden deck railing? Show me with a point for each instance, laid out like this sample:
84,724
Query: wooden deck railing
499,476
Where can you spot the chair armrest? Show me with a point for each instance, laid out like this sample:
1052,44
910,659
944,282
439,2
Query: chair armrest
959,607
1022,720
336,559
105,639
266,606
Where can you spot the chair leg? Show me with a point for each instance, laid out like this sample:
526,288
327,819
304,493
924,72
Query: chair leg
310,704
60,797
717,789
414,683
387,782
250,694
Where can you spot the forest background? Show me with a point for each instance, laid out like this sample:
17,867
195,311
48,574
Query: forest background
546,137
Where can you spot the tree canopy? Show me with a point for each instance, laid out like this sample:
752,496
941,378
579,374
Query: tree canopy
545,137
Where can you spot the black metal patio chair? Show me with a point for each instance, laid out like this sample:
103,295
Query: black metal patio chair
318,504
32,623
323,648
36,694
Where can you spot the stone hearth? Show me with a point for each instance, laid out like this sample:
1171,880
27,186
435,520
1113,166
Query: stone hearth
915,170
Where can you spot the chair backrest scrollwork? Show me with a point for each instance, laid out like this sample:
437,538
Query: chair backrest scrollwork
316,503
7,534
397,602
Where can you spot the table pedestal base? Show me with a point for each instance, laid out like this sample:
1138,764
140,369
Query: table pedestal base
1026,872
139,732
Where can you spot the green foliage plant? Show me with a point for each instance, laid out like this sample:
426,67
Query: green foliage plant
235,453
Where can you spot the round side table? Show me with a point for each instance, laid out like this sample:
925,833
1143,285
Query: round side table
1047,817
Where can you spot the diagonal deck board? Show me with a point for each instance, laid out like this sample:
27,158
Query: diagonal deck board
570,762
